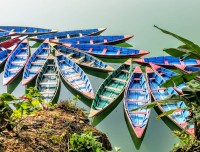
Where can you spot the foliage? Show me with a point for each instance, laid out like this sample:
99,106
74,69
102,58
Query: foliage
22,106
85,142
187,143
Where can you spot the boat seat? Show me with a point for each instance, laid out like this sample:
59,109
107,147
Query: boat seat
91,41
159,89
135,100
50,74
80,34
107,98
40,63
12,70
117,79
105,41
104,51
139,112
81,58
33,70
68,36
166,62
69,55
24,48
35,31
161,73
62,61
43,83
137,79
51,65
80,83
90,63
126,71
152,78
112,88
78,42
74,75
67,68
55,37
21,55
138,125
47,92
118,52
46,48
14,62
90,50
12,30
135,89
24,31
42,56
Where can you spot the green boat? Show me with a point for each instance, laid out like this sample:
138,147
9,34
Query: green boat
111,89
48,80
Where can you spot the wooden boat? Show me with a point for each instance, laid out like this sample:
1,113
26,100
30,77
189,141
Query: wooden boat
35,62
70,34
22,30
179,116
74,76
110,90
108,51
136,95
15,40
166,74
188,69
48,80
5,53
3,34
94,40
168,61
16,62
83,59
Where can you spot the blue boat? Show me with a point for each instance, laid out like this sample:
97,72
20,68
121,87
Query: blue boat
188,69
16,62
179,117
48,80
3,34
70,34
5,53
168,61
83,59
166,74
22,30
136,95
35,62
94,40
74,76
108,51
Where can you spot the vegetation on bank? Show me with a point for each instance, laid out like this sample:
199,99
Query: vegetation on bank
32,125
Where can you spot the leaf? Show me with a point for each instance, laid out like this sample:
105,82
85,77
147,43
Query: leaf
165,114
175,52
124,45
7,97
35,102
184,47
177,80
190,45
146,106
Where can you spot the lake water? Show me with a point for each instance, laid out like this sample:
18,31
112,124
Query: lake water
128,17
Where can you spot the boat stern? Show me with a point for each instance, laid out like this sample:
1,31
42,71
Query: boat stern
89,95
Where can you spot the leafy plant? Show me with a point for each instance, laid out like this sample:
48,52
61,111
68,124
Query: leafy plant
85,142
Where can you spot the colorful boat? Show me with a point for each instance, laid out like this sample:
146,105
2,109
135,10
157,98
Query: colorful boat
168,61
136,95
3,34
83,59
15,40
110,90
5,53
22,30
108,51
35,62
188,69
179,117
16,62
166,74
70,34
48,80
74,76
95,40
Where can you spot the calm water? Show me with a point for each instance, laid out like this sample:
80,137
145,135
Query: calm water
131,17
